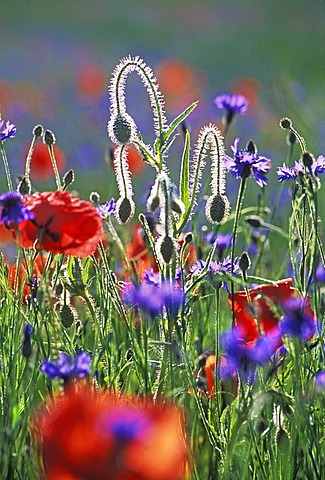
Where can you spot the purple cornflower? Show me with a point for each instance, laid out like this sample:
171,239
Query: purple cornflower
243,357
216,268
316,168
7,130
154,278
107,209
13,210
223,241
296,321
151,299
246,162
66,367
232,104
320,380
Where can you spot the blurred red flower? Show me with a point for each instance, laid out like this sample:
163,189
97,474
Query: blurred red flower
91,81
41,165
5,235
265,307
61,224
96,435
134,159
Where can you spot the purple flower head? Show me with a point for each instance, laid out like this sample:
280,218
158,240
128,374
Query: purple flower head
13,210
223,241
27,330
246,162
244,357
66,367
291,173
7,130
296,322
126,424
215,268
152,298
320,380
107,209
151,278
232,104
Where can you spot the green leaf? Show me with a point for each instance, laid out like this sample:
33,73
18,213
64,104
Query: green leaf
184,175
162,139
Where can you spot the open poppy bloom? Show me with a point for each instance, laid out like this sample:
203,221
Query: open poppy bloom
264,310
60,224
97,435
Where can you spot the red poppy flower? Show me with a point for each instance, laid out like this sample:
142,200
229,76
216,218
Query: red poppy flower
265,307
122,441
41,165
61,224
91,81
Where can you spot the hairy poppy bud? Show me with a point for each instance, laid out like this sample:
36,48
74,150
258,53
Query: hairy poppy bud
67,315
125,208
166,248
24,186
244,262
49,138
38,131
68,177
285,123
121,128
217,208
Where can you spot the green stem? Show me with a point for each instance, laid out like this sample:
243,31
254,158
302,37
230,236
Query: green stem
55,168
6,165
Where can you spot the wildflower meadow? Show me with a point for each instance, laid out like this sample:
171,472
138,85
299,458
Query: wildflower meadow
172,333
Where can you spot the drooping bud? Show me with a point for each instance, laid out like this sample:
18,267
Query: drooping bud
166,248
153,203
67,315
254,221
121,128
125,208
217,208
177,205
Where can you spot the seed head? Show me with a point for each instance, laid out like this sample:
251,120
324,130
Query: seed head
217,208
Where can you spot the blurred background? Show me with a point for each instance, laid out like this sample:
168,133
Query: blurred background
57,57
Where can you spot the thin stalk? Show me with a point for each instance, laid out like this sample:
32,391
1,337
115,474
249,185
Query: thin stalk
6,165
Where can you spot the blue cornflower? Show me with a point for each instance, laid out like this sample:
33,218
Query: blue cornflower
216,268
150,277
13,210
28,330
243,357
107,209
320,273
316,168
7,130
66,367
296,321
246,162
222,239
232,104
151,299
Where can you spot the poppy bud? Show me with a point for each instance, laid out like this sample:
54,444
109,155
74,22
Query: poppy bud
49,138
307,159
94,197
24,186
167,249
251,147
291,138
282,441
188,238
244,262
217,208
254,221
153,203
38,131
68,177
177,206
121,129
285,123
67,315
125,208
